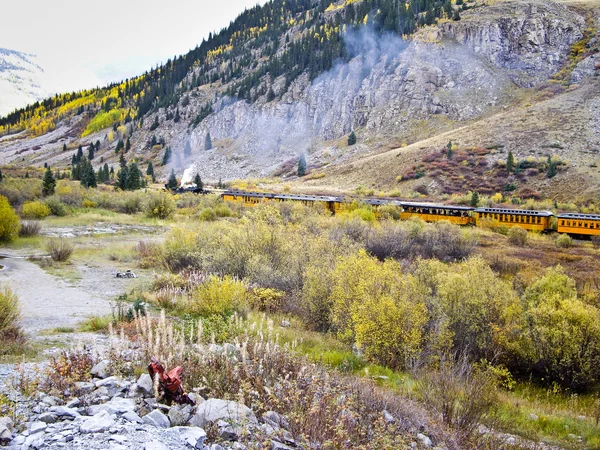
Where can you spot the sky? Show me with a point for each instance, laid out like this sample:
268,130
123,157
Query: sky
83,44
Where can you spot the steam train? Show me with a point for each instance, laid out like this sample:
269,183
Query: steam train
580,225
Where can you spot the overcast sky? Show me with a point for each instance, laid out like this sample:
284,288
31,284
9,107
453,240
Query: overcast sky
82,44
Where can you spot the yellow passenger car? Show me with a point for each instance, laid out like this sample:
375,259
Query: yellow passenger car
529,220
587,224
430,212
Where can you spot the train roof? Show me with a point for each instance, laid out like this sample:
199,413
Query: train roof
521,212
579,216
319,198
435,205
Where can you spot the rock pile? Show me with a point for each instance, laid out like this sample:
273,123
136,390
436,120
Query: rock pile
119,414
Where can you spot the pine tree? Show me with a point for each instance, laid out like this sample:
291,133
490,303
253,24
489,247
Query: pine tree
155,124
198,181
208,142
150,170
302,165
133,177
510,162
474,199
127,145
122,176
119,146
45,165
97,145
26,174
220,184
64,147
91,152
352,138
167,156
177,117
172,183
79,154
449,152
187,149
551,168
48,183
1,176
106,176
122,161
271,93
112,173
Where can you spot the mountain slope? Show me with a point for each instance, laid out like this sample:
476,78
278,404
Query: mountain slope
297,77
21,81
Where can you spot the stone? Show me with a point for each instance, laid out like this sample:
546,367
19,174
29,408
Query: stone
37,427
533,417
48,417
122,405
97,409
101,370
155,445
85,387
388,417
74,403
214,409
97,424
276,445
157,419
145,385
34,441
424,440
65,413
131,416
227,431
285,324
51,401
180,415
275,419
192,436
196,398
6,427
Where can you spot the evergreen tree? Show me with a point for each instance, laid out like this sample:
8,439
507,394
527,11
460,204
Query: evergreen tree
1,176
198,181
271,93
474,199
352,138
150,170
155,124
302,166
45,165
122,176
172,183
208,142
551,168
153,141
48,183
220,184
91,152
177,117
187,149
27,174
64,147
97,145
449,152
510,162
79,154
167,156
120,146
133,177
112,173
127,145
106,174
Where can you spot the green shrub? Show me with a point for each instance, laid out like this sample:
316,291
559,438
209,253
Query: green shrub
35,210
564,241
9,312
133,204
218,296
59,249
160,205
57,208
223,211
517,236
9,221
207,215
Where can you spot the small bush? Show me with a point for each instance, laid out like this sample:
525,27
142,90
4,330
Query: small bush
517,236
35,210
564,241
207,215
59,249
218,296
9,221
57,208
30,228
9,312
222,211
87,203
160,206
96,323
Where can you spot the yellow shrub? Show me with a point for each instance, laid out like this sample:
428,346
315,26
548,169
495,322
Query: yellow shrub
9,221
218,296
35,210
89,204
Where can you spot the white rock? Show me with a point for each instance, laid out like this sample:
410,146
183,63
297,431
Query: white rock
97,424
192,436
63,411
6,427
155,445
215,409
157,419
425,440
132,417
100,370
48,417
37,427
145,385
180,415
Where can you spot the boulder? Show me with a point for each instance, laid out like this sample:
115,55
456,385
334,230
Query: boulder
100,370
6,427
97,424
157,419
192,436
145,386
214,409
131,416
424,440
48,417
276,445
65,413
37,427
180,414
276,420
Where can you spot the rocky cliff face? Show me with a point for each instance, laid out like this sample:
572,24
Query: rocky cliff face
455,71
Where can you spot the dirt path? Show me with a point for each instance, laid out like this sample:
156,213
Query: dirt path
48,302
